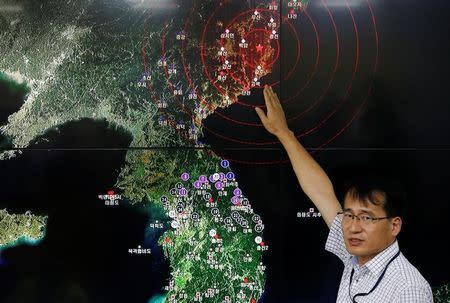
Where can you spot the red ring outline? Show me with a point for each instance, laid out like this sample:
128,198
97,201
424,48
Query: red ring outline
311,107
289,74
356,112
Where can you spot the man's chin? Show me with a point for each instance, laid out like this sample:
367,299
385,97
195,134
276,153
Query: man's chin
355,250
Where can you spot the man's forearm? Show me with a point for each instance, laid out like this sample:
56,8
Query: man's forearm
312,178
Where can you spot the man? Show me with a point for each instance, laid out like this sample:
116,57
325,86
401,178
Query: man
363,234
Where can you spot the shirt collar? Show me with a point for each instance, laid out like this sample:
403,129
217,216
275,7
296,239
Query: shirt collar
379,262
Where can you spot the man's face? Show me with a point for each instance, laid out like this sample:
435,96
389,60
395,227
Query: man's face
366,240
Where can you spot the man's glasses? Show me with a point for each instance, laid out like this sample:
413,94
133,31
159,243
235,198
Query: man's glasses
348,217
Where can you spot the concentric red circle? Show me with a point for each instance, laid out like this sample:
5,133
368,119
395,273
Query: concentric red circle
253,36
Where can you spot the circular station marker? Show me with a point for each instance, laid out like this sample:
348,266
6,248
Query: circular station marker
184,176
212,232
258,240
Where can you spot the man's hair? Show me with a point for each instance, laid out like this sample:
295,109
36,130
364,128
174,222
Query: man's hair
377,190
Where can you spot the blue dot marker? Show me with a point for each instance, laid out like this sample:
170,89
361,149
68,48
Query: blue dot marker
225,163
230,176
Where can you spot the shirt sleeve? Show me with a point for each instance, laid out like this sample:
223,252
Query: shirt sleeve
415,294
335,242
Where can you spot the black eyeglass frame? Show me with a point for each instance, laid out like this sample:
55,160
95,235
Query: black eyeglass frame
359,217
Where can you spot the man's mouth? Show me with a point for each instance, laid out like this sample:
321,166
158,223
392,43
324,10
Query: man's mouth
355,241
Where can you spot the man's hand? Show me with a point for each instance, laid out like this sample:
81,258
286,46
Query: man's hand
275,120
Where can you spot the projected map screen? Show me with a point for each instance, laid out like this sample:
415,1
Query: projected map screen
134,167
158,70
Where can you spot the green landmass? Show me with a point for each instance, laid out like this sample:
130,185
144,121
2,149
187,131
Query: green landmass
20,228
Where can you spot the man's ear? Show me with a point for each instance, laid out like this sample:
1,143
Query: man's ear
396,226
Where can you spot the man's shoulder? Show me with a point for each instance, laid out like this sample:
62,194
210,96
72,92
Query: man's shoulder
407,275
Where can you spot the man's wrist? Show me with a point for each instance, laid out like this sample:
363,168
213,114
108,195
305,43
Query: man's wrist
285,136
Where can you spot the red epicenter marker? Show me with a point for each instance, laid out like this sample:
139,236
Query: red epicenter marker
259,48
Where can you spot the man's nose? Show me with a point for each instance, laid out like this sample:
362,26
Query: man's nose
355,225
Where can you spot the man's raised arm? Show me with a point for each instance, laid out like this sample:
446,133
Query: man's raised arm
313,180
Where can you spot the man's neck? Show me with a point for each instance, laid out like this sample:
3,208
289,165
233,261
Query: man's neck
364,260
